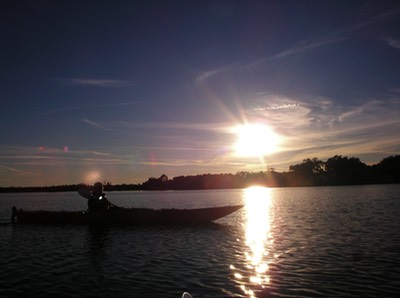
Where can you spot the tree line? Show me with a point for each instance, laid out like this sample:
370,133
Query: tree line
337,170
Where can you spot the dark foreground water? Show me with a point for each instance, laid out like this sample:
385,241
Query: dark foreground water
286,242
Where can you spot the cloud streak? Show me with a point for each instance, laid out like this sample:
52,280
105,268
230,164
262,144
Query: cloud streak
302,47
204,76
89,107
30,156
394,43
330,38
95,124
97,82
307,45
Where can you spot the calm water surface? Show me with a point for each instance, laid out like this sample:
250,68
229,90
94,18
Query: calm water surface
286,242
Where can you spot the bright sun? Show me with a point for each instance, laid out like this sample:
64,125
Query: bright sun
255,140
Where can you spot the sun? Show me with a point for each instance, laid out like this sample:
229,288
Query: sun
255,140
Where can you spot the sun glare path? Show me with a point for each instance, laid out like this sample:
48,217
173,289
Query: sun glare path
255,140
258,240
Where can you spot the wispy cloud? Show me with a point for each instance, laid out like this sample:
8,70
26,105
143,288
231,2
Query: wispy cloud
307,45
395,43
15,170
301,47
207,74
211,127
89,107
377,18
97,82
95,124
329,38
20,157
204,76
180,138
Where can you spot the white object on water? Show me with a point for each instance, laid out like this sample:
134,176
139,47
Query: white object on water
186,295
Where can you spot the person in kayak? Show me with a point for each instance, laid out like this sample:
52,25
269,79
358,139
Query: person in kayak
98,200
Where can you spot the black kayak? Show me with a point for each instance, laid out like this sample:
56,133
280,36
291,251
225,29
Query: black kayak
125,216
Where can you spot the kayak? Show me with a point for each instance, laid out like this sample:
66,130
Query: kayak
125,216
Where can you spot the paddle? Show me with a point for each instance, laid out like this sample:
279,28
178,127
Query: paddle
87,194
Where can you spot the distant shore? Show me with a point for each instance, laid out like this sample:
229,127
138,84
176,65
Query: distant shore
336,170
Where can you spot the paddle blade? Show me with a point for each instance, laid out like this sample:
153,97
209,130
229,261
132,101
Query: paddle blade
85,193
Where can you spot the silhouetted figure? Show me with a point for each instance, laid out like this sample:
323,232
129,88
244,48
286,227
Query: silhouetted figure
98,200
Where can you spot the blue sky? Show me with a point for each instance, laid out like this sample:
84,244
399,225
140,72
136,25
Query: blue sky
125,90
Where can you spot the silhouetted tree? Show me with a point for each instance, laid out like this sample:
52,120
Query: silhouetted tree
160,183
388,170
307,172
344,170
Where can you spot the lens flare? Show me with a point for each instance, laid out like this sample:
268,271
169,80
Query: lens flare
92,176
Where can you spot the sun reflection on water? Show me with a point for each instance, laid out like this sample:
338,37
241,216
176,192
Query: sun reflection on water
258,241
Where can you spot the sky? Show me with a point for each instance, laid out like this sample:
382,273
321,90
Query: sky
121,91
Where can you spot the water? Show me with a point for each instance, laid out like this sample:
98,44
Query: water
286,242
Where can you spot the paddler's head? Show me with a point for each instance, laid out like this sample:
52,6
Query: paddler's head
98,188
